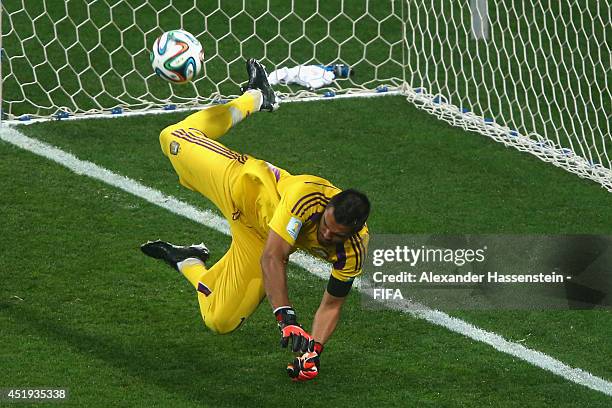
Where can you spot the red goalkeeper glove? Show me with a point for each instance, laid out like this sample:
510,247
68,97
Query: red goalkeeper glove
306,367
291,330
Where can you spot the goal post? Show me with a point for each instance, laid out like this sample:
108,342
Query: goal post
532,75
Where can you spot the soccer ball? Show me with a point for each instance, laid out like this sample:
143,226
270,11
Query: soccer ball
177,56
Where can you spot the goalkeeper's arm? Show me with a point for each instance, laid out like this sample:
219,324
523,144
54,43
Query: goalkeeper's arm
306,367
273,265
327,317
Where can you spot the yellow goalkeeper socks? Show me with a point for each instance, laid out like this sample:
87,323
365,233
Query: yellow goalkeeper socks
215,121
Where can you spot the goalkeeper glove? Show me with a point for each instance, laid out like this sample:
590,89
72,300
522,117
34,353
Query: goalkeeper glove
306,367
291,330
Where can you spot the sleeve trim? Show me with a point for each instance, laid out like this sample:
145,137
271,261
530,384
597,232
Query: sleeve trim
338,288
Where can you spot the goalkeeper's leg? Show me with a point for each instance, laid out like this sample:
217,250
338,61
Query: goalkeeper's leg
215,121
230,290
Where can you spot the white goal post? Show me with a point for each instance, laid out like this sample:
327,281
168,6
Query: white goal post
532,75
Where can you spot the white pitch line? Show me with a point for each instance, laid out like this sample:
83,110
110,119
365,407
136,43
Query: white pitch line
311,264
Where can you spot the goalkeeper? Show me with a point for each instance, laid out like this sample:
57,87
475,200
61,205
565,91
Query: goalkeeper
271,213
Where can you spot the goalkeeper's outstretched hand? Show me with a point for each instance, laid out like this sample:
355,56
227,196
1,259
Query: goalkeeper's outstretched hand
306,367
291,331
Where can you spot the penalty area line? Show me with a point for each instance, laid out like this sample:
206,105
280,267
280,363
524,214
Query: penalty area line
309,263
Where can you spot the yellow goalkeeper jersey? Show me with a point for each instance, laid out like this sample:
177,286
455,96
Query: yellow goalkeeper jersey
268,197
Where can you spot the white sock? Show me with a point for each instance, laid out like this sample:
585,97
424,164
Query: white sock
258,98
188,262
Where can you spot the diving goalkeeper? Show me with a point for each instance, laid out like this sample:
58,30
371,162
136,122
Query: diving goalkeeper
271,213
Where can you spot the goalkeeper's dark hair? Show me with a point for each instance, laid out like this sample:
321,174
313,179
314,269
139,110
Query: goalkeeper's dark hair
351,208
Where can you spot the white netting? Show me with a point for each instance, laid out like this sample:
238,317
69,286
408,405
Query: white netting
534,76
84,56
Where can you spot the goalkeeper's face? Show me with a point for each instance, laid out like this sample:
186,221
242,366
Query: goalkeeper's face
330,232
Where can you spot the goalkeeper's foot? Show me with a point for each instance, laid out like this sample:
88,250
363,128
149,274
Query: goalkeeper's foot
258,79
173,254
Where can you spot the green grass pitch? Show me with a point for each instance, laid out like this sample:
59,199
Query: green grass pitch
82,308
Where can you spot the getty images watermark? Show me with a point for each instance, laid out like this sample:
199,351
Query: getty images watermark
536,272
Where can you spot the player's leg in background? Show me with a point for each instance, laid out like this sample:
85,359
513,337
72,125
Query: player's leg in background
230,290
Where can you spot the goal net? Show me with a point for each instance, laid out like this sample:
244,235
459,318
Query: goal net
533,75
90,56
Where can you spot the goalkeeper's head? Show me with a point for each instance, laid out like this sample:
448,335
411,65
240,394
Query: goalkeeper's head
345,215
